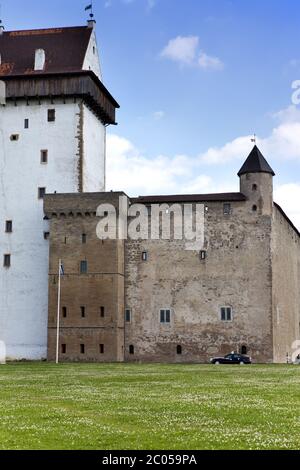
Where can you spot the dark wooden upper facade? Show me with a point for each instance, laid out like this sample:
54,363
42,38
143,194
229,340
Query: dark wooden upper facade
83,84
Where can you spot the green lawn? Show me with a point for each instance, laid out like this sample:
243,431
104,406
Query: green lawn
122,406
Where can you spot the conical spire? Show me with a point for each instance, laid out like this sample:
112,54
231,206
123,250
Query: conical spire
256,163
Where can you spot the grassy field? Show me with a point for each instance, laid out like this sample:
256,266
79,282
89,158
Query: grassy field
43,406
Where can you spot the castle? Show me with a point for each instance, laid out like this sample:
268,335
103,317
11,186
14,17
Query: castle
124,299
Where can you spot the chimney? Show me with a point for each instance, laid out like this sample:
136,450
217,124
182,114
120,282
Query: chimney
91,23
39,59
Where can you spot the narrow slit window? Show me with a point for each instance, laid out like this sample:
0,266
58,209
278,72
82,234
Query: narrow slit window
64,312
63,348
82,311
145,256
131,349
128,315
41,193
227,208
44,156
179,350
51,115
202,255
102,312
83,267
7,261
26,123
83,238
82,349
46,235
8,226
101,348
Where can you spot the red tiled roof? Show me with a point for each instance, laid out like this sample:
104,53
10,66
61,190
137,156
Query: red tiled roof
65,50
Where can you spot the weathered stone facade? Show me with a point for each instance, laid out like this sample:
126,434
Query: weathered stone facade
97,332
251,265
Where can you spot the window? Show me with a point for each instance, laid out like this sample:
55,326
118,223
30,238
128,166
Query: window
64,312
51,115
14,137
102,312
254,208
254,187
82,311
8,226
244,350
46,235
63,348
26,123
227,208
165,316
7,261
226,314
44,156
128,315
101,348
83,238
145,256
179,350
41,193
131,349
82,349
83,267
202,255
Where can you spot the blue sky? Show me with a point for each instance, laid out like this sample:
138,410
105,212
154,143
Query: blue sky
194,80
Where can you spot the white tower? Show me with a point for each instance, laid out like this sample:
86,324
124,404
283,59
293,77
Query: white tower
53,113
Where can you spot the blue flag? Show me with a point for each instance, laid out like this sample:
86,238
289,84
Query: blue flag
89,7
61,270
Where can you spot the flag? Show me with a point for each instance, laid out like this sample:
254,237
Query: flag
89,7
61,270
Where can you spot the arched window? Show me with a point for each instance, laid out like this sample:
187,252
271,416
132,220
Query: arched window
244,349
254,208
254,187
131,349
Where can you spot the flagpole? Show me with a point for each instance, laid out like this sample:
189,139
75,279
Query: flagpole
58,312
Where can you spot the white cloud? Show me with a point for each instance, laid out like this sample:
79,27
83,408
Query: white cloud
234,150
158,115
283,143
130,171
207,62
288,197
151,4
181,49
185,51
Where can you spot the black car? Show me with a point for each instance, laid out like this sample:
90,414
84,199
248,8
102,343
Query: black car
232,358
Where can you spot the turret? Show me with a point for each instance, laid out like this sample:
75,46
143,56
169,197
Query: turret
256,182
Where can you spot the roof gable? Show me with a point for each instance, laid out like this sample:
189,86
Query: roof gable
65,50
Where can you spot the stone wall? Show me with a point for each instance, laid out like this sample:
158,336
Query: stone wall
236,273
286,286
100,291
